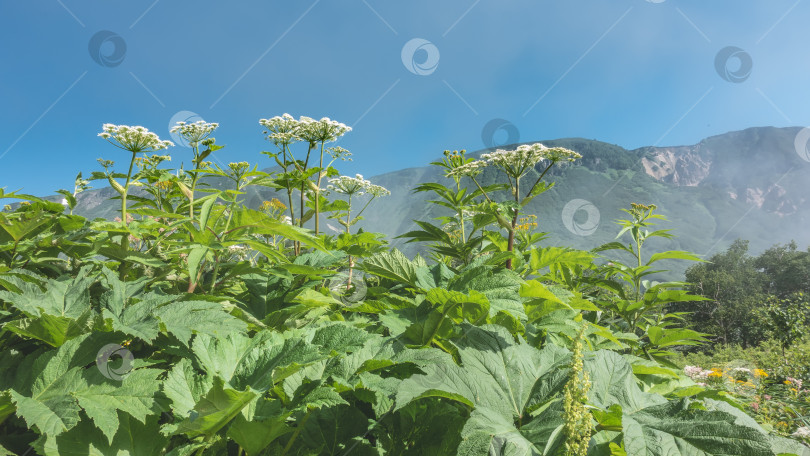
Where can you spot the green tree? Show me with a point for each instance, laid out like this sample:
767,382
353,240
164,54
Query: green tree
787,269
734,285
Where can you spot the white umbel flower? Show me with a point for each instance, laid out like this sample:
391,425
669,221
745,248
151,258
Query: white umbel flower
133,139
324,130
282,130
356,186
194,132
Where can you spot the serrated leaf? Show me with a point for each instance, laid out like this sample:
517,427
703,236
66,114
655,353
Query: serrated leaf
215,410
102,398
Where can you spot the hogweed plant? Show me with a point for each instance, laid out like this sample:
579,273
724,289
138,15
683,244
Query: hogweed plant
196,134
135,140
454,241
353,187
285,130
515,164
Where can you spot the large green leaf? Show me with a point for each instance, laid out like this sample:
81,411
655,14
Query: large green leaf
63,297
102,398
132,439
215,410
396,266
674,428
503,381
43,397
184,386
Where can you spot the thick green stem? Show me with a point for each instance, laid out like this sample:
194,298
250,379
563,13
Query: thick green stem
124,268
124,194
227,225
511,243
295,434
318,193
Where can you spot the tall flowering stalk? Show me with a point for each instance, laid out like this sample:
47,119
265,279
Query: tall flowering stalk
516,164
355,186
134,140
319,132
578,427
196,134
285,130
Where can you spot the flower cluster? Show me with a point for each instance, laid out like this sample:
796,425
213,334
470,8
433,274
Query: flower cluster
696,372
195,132
356,186
133,139
281,130
526,223
285,129
273,205
514,162
324,130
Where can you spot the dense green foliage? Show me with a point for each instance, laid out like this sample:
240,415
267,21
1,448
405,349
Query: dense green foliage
751,299
197,325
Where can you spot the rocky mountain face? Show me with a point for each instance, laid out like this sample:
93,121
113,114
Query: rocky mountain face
755,166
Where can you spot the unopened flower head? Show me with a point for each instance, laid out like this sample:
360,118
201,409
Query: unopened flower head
194,132
134,139
324,130
239,168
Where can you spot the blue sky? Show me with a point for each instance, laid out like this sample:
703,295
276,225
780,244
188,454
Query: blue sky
628,72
